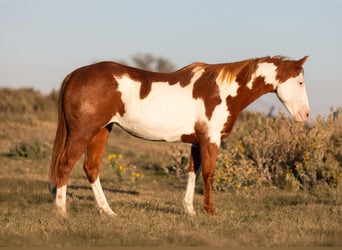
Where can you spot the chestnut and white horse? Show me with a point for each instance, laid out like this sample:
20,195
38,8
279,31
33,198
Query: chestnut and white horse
197,104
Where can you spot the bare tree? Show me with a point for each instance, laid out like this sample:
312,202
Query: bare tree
150,62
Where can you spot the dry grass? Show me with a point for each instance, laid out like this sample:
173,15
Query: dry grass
149,211
150,214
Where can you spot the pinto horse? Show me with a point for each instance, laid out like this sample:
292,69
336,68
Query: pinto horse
197,104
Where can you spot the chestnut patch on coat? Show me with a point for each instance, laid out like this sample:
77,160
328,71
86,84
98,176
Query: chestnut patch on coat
94,90
246,73
285,68
206,89
147,78
200,133
245,96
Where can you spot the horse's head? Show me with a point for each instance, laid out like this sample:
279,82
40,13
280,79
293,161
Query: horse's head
291,91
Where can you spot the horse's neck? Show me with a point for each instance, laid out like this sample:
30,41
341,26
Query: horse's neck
262,81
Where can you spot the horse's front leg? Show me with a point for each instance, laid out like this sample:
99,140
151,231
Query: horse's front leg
194,167
208,157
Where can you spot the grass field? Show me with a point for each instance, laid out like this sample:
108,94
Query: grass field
149,211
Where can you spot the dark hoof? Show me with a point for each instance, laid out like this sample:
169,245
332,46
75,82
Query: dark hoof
210,211
52,189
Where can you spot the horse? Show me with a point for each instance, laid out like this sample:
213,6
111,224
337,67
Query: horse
197,104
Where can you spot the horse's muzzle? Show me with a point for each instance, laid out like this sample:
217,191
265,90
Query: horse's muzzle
302,115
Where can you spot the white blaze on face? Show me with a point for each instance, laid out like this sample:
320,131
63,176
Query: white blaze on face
293,95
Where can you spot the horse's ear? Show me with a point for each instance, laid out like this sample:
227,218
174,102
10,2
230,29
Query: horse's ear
302,61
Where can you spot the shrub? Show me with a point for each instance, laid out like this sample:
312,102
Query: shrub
275,152
179,163
31,150
279,152
27,101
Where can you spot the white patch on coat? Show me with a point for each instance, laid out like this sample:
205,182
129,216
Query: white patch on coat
268,70
233,89
227,83
198,71
166,113
221,113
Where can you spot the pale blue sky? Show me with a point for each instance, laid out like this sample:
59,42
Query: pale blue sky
41,41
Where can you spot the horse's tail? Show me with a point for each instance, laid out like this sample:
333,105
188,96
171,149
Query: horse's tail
60,139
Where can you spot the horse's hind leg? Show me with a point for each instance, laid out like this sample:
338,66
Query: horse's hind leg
74,148
92,164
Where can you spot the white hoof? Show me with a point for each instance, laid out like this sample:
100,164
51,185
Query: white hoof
107,211
189,209
62,211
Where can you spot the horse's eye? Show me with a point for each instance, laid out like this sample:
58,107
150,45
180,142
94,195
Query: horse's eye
300,83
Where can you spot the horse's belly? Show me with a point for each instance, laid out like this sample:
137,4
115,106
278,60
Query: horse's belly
159,126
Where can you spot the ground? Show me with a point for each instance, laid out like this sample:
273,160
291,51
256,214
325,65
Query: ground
149,211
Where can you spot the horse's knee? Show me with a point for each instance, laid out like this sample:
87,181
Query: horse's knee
91,172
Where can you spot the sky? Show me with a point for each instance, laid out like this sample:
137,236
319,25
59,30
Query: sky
41,41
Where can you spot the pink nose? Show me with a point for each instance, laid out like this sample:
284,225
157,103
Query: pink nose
302,115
